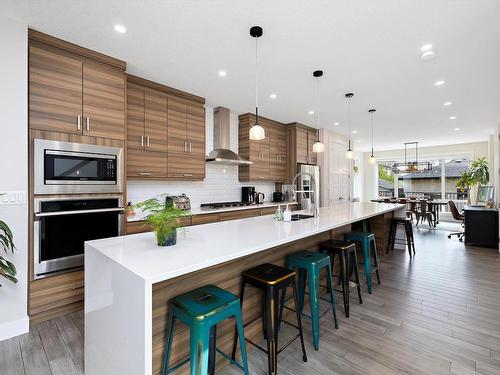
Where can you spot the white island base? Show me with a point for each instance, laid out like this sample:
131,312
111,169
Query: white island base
129,280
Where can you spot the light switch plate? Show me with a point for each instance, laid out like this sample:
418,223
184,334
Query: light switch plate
8,198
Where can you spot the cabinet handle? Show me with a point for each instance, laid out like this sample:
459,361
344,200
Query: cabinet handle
149,141
79,122
188,174
142,141
145,173
185,146
190,146
88,123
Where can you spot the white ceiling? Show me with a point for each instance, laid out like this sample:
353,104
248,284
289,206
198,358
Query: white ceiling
369,47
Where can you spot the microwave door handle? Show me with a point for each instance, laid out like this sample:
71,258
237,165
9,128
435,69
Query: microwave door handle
77,212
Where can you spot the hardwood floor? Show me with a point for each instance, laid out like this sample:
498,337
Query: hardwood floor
439,314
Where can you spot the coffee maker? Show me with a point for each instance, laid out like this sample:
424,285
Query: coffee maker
248,194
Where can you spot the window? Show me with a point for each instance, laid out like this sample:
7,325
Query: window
385,180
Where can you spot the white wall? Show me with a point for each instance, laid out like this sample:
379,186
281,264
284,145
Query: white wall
221,182
14,169
471,150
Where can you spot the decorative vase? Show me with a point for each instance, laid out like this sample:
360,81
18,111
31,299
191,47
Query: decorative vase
167,240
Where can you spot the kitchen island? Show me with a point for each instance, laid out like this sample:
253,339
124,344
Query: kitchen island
129,279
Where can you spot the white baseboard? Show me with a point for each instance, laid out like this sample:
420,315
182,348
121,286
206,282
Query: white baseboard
14,328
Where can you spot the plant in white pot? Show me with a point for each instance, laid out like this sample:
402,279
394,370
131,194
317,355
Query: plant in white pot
7,269
163,219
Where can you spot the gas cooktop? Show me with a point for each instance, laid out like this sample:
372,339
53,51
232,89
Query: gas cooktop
225,205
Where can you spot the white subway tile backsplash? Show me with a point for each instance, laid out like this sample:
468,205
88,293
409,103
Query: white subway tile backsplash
220,185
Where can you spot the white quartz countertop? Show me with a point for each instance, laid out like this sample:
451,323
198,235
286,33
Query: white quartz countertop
199,211
203,246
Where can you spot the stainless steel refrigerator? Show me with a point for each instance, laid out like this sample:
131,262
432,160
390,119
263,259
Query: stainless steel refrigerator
304,183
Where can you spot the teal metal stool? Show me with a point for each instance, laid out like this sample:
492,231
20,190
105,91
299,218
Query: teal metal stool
369,247
308,264
201,310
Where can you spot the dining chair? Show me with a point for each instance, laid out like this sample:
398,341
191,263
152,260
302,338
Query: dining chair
423,213
457,216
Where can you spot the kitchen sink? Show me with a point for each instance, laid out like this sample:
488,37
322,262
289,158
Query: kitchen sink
296,217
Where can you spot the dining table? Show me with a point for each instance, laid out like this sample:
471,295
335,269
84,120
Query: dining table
434,206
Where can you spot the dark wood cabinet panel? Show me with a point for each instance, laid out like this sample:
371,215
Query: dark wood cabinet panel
135,116
269,158
301,145
278,150
196,129
146,164
55,90
177,126
205,219
103,101
155,121
186,167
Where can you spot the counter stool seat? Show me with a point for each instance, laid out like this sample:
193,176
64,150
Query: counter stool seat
348,263
408,240
201,310
271,280
308,265
369,248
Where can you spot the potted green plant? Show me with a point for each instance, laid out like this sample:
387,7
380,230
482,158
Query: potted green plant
162,218
465,183
480,171
7,269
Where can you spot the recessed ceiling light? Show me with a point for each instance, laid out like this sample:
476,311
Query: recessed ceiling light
457,129
426,47
311,112
222,73
336,123
446,104
120,29
273,96
358,141
354,132
439,83
428,55
452,117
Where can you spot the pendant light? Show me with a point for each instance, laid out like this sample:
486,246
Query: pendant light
349,153
372,157
257,132
318,146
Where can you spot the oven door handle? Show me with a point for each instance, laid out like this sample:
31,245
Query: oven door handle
77,212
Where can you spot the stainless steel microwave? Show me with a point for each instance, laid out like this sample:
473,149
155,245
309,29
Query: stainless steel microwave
73,168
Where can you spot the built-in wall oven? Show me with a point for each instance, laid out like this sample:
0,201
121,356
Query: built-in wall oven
73,168
62,225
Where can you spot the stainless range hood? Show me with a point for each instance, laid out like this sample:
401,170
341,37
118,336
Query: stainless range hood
221,154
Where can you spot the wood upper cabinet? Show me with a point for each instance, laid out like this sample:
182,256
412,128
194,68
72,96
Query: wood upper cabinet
269,156
71,94
278,151
103,101
55,91
186,140
302,142
146,132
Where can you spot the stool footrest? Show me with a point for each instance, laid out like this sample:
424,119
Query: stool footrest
232,361
179,365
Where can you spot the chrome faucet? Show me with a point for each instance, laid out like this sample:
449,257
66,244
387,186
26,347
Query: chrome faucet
314,199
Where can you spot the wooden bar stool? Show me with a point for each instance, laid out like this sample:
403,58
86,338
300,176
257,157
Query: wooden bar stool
369,248
408,240
348,263
308,265
201,310
271,280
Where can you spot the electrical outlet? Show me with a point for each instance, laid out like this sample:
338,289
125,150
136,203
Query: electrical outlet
9,198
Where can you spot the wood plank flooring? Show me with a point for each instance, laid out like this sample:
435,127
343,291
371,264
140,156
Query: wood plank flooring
439,314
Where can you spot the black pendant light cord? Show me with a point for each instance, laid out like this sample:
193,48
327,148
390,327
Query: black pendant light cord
372,111
256,82
317,106
349,96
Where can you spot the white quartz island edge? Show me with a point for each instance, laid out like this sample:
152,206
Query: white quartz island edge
120,272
